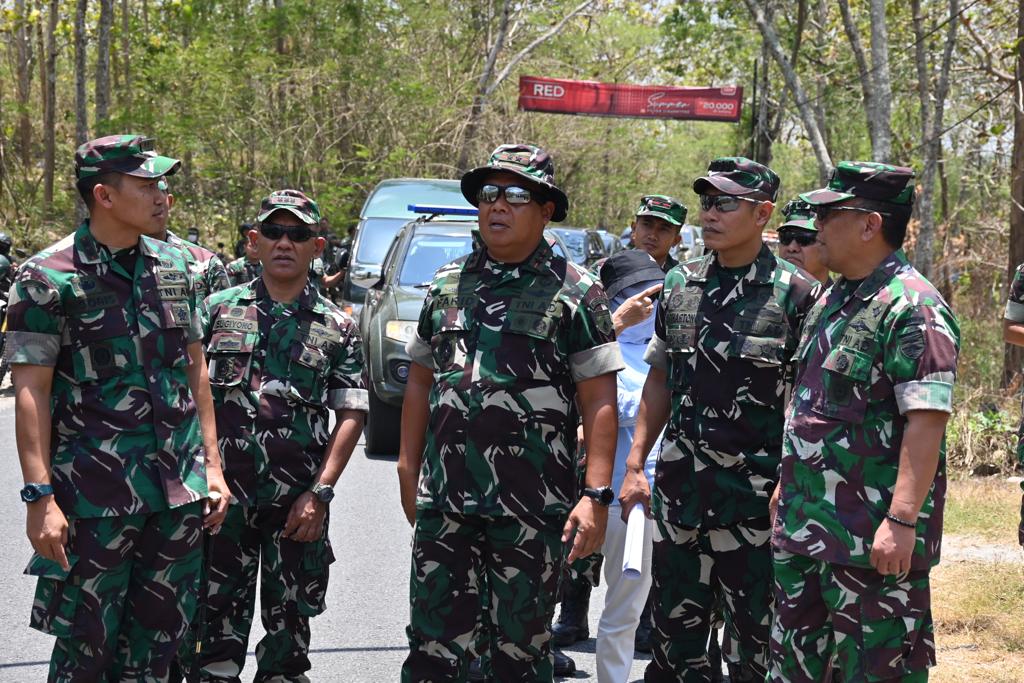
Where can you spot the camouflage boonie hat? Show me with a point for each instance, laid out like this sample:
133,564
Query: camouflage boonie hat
663,207
128,154
293,201
868,180
527,161
740,177
798,215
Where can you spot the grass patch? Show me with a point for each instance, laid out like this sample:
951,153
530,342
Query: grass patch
977,609
984,509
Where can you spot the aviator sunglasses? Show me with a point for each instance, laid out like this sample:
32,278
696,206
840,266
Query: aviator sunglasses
726,203
296,233
804,239
488,194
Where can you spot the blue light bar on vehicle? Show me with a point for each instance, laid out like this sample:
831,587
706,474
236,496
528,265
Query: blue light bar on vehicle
435,210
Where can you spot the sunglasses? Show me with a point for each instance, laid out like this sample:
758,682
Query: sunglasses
296,233
823,212
488,194
804,239
726,203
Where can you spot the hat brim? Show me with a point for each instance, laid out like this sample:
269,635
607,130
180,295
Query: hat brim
308,220
800,224
724,185
657,214
825,196
153,167
646,274
472,180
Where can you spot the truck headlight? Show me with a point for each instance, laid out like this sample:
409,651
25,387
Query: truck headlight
400,330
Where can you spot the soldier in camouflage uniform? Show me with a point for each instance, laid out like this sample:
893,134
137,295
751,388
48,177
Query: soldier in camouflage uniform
726,327
513,344
281,357
1013,333
863,477
208,271
246,268
104,344
798,241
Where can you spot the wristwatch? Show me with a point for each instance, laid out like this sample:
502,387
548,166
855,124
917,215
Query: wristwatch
33,492
323,492
602,495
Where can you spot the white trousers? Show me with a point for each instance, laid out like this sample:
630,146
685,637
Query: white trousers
623,602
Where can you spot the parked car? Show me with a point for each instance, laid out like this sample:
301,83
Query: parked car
585,245
388,318
691,245
383,214
612,242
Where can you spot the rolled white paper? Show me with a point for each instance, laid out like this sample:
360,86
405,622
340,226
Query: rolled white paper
633,553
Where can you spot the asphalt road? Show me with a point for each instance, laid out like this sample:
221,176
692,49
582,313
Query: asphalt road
359,639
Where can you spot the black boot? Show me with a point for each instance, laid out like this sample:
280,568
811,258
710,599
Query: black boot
571,626
564,664
642,639
715,657
742,674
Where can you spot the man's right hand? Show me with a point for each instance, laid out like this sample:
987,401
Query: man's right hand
47,530
635,489
635,309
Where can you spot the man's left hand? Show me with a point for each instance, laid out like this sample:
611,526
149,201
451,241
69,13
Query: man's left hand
305,521
589,520
892,548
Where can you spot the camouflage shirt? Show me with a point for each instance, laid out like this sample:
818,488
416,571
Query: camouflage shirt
507,344
871,351
276,370
725,337
208,271
114,326
242,271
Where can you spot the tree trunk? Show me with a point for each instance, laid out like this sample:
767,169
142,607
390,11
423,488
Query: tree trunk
81,101
103,64
882,145
49,116
480,98
933,105
125,92
1013,358
817,141
23,54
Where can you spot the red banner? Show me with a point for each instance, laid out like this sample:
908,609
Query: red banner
590,98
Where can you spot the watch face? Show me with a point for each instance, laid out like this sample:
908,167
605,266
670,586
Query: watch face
325,494
607,496
30,494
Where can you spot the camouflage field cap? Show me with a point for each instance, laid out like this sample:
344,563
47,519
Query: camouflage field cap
740,177
527,161
868,180
295,202
129,154
798,214
663,207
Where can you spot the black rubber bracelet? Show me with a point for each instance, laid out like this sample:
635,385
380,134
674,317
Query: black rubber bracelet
902,522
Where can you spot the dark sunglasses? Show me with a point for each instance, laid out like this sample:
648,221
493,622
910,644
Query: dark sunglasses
296,233
823,212
726,203
488,194
804,239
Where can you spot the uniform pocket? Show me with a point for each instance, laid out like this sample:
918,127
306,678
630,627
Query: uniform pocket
843,394
57,599
896,627
307,374
230,355
758,368
312,590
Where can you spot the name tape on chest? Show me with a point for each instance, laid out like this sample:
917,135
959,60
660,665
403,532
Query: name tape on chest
231,323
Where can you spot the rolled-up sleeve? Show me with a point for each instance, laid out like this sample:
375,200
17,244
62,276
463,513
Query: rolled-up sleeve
35,321
346,386
921,354
1014,311
593,350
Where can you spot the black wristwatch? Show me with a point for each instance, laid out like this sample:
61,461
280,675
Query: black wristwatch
603,495
33,492
323,492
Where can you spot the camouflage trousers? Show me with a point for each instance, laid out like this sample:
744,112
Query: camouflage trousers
691,569
122,610
293,588
585,571
455,558
878,628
